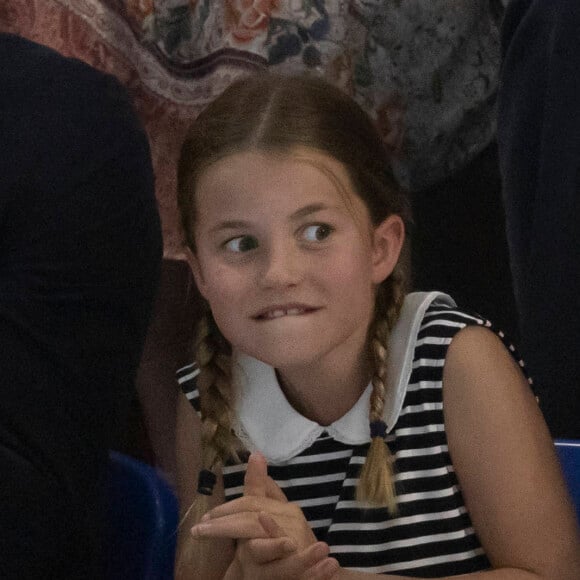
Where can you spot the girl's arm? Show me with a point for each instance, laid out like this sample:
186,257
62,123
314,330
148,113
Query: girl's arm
506,463
218,552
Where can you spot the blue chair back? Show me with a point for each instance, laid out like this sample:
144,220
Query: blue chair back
142,522
569,453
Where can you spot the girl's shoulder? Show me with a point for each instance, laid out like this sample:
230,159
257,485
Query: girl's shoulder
434,318
419,343
438,318
429,320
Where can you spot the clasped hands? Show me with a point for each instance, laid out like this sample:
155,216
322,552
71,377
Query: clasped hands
273,538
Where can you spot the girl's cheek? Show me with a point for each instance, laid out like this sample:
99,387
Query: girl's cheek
229,280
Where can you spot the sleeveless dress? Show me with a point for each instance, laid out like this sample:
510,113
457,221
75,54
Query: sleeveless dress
317,467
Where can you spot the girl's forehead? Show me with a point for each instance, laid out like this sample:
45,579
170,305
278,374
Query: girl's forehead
300,175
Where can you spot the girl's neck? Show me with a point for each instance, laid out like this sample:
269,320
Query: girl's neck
325,393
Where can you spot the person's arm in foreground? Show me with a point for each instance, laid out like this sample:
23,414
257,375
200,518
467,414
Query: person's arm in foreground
504,459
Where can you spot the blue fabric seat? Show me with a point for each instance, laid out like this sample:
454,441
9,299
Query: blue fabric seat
569,453
142,520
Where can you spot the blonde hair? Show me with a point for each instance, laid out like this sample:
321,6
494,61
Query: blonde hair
276,114
376,481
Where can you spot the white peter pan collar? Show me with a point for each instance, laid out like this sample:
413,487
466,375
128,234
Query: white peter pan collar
266,421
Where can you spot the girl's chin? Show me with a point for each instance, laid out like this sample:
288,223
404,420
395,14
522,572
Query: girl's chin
289,358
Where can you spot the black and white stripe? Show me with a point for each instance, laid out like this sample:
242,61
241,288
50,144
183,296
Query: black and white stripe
431,535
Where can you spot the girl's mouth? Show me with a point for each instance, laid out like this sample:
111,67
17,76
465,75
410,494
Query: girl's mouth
280,311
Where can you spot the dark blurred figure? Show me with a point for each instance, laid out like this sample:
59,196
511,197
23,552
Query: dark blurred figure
439,62
80,250
539,138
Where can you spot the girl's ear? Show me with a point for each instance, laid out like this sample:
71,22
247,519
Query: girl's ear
196,270
388,239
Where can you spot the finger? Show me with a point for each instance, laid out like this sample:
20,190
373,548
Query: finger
248,503
326,569
256,478
244,525
263,551
270,526
313,555
298,565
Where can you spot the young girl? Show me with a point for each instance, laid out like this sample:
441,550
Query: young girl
400,434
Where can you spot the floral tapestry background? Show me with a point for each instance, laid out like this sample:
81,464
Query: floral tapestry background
426,70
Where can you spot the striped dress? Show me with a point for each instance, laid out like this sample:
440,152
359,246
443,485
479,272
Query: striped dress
317,467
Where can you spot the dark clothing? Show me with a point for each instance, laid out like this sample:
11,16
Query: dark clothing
459,241
80,250
539,139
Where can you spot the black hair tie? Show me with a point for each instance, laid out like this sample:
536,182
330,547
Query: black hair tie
378,429
206,482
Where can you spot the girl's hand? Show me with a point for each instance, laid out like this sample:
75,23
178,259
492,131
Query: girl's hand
277,557
274,539
239,519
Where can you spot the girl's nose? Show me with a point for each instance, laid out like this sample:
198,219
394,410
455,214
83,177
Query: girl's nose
282,267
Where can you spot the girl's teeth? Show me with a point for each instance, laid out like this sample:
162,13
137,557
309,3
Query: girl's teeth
289,312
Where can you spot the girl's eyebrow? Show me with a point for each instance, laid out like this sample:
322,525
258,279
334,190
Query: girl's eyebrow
229,225
310,209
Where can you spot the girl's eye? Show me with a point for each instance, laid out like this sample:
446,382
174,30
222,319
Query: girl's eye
242,244
317,233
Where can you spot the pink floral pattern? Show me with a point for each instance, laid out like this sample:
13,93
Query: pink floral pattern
247,19
139,10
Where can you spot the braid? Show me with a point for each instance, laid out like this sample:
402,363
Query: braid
213,356
376,483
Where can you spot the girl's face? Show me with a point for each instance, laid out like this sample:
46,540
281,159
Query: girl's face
287,256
